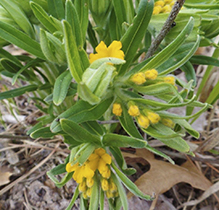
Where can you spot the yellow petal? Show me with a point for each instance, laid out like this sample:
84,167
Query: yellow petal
106,158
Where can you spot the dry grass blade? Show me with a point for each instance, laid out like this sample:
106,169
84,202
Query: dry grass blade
211,190
5,189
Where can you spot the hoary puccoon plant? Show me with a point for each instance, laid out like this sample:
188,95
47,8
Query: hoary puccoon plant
85,70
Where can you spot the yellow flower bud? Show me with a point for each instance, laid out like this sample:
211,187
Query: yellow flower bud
88,192
89,182
159,3
168,122
166,9
153,117
106,173
167,1
157,10
117,109
172,3
104,184
138,78
134,111
151,74
112,187
82,186
116,194
170,80
143,121
84,194
109,194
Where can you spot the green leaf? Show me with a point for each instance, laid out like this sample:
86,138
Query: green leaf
121,162
56,9
82,112
9,56
83,12
72,54
204,60
189,72
115,140
75,195
85,154
18,91
130,185
168,51
42,133
18,16
94,199
86,94
121,191
20,39
134,35
78,133
43,17
61,87
128,124
24,68
72,17
94,127
64,180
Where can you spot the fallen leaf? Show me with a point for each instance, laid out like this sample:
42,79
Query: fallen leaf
164,175
4,177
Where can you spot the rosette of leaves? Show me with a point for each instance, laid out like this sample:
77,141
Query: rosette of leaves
54,68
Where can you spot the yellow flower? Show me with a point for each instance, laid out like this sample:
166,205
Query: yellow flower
159,3
157,10
151,74
70,168
109,194
143,121
82,172
168,122
104,184
114,50
166,8
112,186
117,109
167,1
89,182
88,192
170,80
82,186
138,78
153,117
134,111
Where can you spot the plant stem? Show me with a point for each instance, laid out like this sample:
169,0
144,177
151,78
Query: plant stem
166,28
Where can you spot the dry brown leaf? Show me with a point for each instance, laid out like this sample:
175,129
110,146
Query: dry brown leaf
164,175
5,177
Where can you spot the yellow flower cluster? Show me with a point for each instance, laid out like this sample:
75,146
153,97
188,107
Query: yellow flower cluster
168,122
84,174
114,50
141,77
163,6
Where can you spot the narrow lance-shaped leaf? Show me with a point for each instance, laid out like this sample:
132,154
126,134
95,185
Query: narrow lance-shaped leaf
19,16
113,140
61,87
17,92
134,35
20,39
72,54
130,185
43,17
56,8
168,51
77,132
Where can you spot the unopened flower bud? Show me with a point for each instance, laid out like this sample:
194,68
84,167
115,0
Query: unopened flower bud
168,122
170,80
151,74
117,109
134,111
143,121
138,78
153,117
104,184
